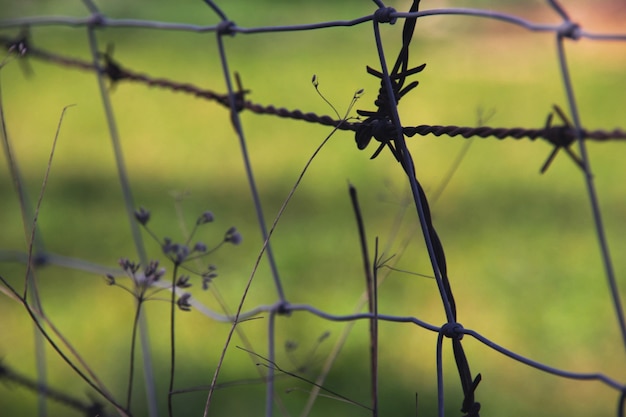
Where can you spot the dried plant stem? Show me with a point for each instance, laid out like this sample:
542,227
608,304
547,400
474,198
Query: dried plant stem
62,355
170,391
133,343
370,286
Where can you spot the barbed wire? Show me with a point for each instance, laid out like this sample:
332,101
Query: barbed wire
383,125
115,73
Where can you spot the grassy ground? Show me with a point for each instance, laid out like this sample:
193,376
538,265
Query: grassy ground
521,248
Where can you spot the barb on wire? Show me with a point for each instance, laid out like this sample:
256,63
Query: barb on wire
592,195
384,125
116,73
379,124
560,139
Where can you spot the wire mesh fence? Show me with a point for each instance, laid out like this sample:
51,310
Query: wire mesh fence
312,314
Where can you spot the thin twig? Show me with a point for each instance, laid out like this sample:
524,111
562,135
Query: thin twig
172,342
370,288
278,368
61,354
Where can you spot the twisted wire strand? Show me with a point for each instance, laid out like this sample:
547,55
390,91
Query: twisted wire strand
560,136
384,125
116,73
511,133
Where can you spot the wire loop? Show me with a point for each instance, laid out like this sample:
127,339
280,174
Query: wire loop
226,27
453,330
569,30
383,15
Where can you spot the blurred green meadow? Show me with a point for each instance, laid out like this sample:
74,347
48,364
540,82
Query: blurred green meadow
522,252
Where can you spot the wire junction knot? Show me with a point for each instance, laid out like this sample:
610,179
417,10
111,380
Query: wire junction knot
383,15
452,330
226,27
97,20
570,30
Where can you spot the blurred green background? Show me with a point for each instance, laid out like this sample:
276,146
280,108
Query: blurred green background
522,252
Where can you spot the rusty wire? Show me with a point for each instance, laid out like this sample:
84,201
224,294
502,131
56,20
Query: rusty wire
382,125
115,72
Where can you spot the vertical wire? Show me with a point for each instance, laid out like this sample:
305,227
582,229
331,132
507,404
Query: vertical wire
32,237
248,167
117,150
129,205
216,9
407,162
591,191
271,348
234,116
559,9
440,393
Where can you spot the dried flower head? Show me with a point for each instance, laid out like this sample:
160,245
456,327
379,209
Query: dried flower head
207,278
183,281
167,245
199,247
175,251
233,236
110,279
153,273
183,302
142,215
182,251
206,217
128,266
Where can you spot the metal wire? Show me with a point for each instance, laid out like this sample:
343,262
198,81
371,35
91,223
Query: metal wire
384,126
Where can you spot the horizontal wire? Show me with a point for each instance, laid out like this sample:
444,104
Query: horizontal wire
116,73
561,136
99,20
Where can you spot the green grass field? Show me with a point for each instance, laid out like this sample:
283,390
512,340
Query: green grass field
521,248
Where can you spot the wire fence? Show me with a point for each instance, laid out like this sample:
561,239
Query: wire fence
380,124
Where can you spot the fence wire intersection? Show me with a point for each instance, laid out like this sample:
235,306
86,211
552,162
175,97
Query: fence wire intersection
384,126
